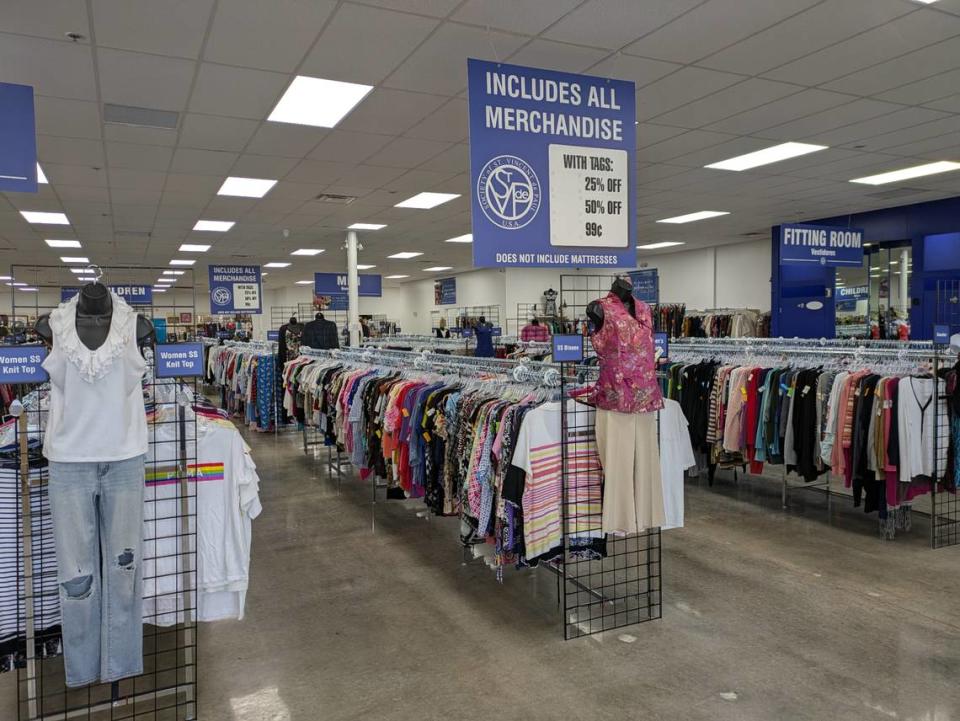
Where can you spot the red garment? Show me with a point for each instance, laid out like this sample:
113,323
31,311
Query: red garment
538,333
750,427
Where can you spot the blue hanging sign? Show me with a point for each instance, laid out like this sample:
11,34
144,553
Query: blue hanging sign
21,364
661,343
369,285
178,360
133,294
224,334
646,285
552,168
567,348
273,335
18,139
466,332
801,244
496,331
941,334
235,289
445,291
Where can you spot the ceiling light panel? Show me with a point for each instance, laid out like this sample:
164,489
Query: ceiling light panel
917,171
662,244
438,268
405,255
777,153
182,261
194,248
276,265
74,259
468,238
366,226
304,282
307,251
216,226
33,216
174,272
318,102
63,243
425,201
397,277
693,217
365,267
246,187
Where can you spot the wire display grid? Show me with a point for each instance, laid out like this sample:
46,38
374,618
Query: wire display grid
167,688
945,521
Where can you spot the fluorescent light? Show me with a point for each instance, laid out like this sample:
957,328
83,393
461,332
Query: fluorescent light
304,282
405,255
41,178
894,262
194,248
263,274
366,226
365,267
917,171
6,277
63,243
440,267
397,277
926,2
784,151
468,238
174,272
661,244
78,271
246,187
425,201
691,217
74,259
31,290
35,216
182,261
275,265
875,268
307,251
87,277
16,284
217,226
318,102
159,290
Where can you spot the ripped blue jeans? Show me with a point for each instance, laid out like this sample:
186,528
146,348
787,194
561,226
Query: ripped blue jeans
97,511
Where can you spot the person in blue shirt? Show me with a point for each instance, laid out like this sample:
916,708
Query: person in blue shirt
484,333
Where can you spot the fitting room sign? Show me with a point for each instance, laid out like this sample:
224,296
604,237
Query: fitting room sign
235,289
18,139
551,168
820,244
21,364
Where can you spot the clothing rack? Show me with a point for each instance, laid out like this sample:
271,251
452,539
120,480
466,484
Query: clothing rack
895,357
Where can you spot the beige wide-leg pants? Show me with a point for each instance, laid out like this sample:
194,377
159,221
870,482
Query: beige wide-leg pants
630,456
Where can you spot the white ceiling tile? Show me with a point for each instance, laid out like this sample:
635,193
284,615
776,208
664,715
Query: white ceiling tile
145,81
271,35
713,26
729,101
812,126
925,91
615,23
176,199
896,38
317,171
70,151
435,8
521,16
950,104
682,145
215,132
453,160
390,112
440,64
682,87
263,166
809,102
239,92
50,18
136,179
642,71
858,133
369,176
172,27
62,69
820,26
893,141
138,135
136,197
348,147
448,122
651,134
407,153
364,44
203,162
292,141
186,183
82,194
416,181
68,118
138,157
80,175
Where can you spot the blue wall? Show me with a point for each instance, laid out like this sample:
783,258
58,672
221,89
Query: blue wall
907,222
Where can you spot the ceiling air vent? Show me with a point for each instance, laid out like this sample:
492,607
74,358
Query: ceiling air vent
140,117
334,198
896,193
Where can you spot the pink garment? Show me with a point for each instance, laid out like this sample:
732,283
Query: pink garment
628,378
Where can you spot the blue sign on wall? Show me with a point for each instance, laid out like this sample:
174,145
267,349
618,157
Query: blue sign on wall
21,364
646,285
178,360
661,343
18,139
273,335
133,294
567,348
445,291
370,286
941,334
235,289
820,244
551,168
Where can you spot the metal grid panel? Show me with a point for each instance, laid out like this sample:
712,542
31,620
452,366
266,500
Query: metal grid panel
945,525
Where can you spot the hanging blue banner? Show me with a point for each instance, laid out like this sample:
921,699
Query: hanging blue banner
18,139
803,244
133,294
551,168
179,360
445,291
21,364
646,285
235,289
370,286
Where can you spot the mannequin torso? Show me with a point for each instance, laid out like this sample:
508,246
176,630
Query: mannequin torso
94,312
623,291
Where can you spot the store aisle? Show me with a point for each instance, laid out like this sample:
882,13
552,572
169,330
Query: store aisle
766,616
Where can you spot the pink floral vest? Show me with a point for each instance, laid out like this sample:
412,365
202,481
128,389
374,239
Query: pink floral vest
628,378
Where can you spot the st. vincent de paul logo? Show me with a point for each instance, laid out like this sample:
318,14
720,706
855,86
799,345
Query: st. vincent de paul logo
509,192
221,296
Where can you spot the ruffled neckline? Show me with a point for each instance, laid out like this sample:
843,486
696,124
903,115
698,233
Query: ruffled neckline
92,364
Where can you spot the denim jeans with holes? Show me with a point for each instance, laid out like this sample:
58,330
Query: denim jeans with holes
97,511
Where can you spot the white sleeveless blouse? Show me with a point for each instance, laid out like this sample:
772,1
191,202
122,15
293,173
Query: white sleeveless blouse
96,398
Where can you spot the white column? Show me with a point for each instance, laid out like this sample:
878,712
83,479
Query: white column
904,285
353,290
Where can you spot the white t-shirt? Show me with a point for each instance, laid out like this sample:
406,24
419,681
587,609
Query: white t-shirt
676,456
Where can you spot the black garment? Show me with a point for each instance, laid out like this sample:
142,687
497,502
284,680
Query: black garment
442,332
365,330
863,477
806,435
321,334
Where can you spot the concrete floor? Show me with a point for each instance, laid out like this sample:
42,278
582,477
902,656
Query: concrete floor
357,612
